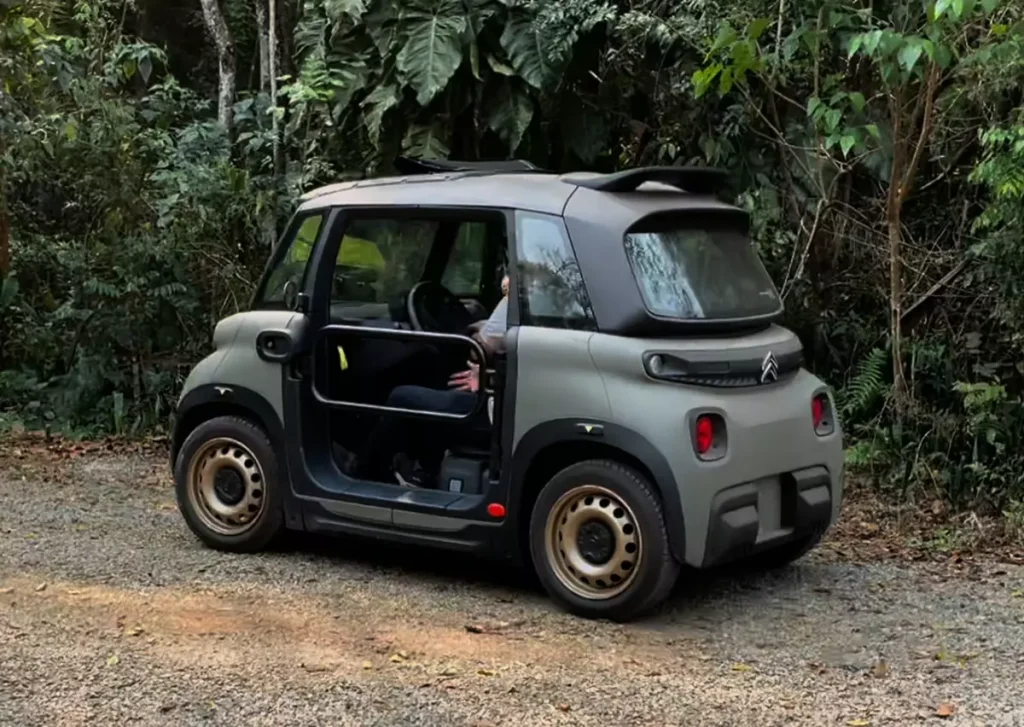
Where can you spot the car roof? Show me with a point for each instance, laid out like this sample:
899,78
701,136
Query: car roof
523,189
534,191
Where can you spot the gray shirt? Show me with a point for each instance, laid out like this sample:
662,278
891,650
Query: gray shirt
498,322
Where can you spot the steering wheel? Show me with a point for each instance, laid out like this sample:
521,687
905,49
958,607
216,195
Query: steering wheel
432,307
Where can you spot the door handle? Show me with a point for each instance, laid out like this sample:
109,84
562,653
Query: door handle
275,345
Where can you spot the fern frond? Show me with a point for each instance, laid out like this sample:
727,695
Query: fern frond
867,385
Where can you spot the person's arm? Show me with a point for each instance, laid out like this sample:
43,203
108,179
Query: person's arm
493,331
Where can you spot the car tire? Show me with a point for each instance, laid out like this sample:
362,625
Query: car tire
784,555
228,487
639,571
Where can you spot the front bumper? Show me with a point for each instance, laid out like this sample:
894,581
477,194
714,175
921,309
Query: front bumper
755,516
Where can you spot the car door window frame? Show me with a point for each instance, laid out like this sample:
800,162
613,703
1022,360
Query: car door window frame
284,244
318,287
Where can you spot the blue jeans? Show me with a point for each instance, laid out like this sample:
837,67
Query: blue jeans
424,399
422,439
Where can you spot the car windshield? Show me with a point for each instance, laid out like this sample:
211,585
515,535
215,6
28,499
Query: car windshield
707,272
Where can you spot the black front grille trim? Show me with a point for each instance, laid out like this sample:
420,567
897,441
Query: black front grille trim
721,373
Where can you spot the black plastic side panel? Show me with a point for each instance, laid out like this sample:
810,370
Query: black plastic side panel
563,431
734,521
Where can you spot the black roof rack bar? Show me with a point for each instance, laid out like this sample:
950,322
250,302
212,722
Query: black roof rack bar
695,180
412,165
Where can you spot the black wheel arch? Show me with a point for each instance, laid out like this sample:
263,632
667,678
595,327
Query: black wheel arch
213,400
550,447
209,401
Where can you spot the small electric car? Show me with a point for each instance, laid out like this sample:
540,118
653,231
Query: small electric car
644,411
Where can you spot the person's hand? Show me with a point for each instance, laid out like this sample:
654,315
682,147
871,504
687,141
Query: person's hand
468,380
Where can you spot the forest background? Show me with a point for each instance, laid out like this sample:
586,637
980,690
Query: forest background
151,151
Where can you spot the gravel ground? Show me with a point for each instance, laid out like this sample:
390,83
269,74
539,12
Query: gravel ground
112,613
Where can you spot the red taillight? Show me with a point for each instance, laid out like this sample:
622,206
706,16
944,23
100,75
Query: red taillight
705,434
817,410
822,415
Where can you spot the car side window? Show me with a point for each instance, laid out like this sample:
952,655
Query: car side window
463,275
380,259
287,275
551,288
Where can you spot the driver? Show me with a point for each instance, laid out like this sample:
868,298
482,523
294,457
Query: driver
428,439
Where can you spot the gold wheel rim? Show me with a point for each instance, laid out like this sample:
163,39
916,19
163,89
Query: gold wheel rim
226,487
573,558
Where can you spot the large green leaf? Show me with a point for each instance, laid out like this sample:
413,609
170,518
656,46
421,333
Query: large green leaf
377,104
337,10
510,115
478,12
426,142
433,48
531,52
382,26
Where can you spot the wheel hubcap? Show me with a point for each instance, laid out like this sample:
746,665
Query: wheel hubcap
593,542
596,542
226,486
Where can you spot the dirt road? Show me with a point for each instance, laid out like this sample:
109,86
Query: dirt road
111,613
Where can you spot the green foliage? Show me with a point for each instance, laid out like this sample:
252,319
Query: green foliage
867,386
136,222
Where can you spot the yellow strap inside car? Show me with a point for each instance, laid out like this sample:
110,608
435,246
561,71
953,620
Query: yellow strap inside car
342,359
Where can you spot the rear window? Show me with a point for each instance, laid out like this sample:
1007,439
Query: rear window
699,272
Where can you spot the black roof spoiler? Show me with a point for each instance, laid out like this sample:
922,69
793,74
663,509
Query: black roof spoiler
695,180
412,165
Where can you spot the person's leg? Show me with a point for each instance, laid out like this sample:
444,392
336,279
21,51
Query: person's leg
396,432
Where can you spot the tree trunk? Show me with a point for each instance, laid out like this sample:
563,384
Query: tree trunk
218,29
901,393
906,160
268,219
275,123
264,45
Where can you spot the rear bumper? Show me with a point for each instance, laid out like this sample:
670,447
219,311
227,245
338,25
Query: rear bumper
755,516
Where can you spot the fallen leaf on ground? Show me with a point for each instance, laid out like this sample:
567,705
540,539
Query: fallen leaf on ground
868,529
880,670
486,672
6,590
946,709
396,659
742,667
859,723
134,631
113,660
367,664
564,707
41,587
